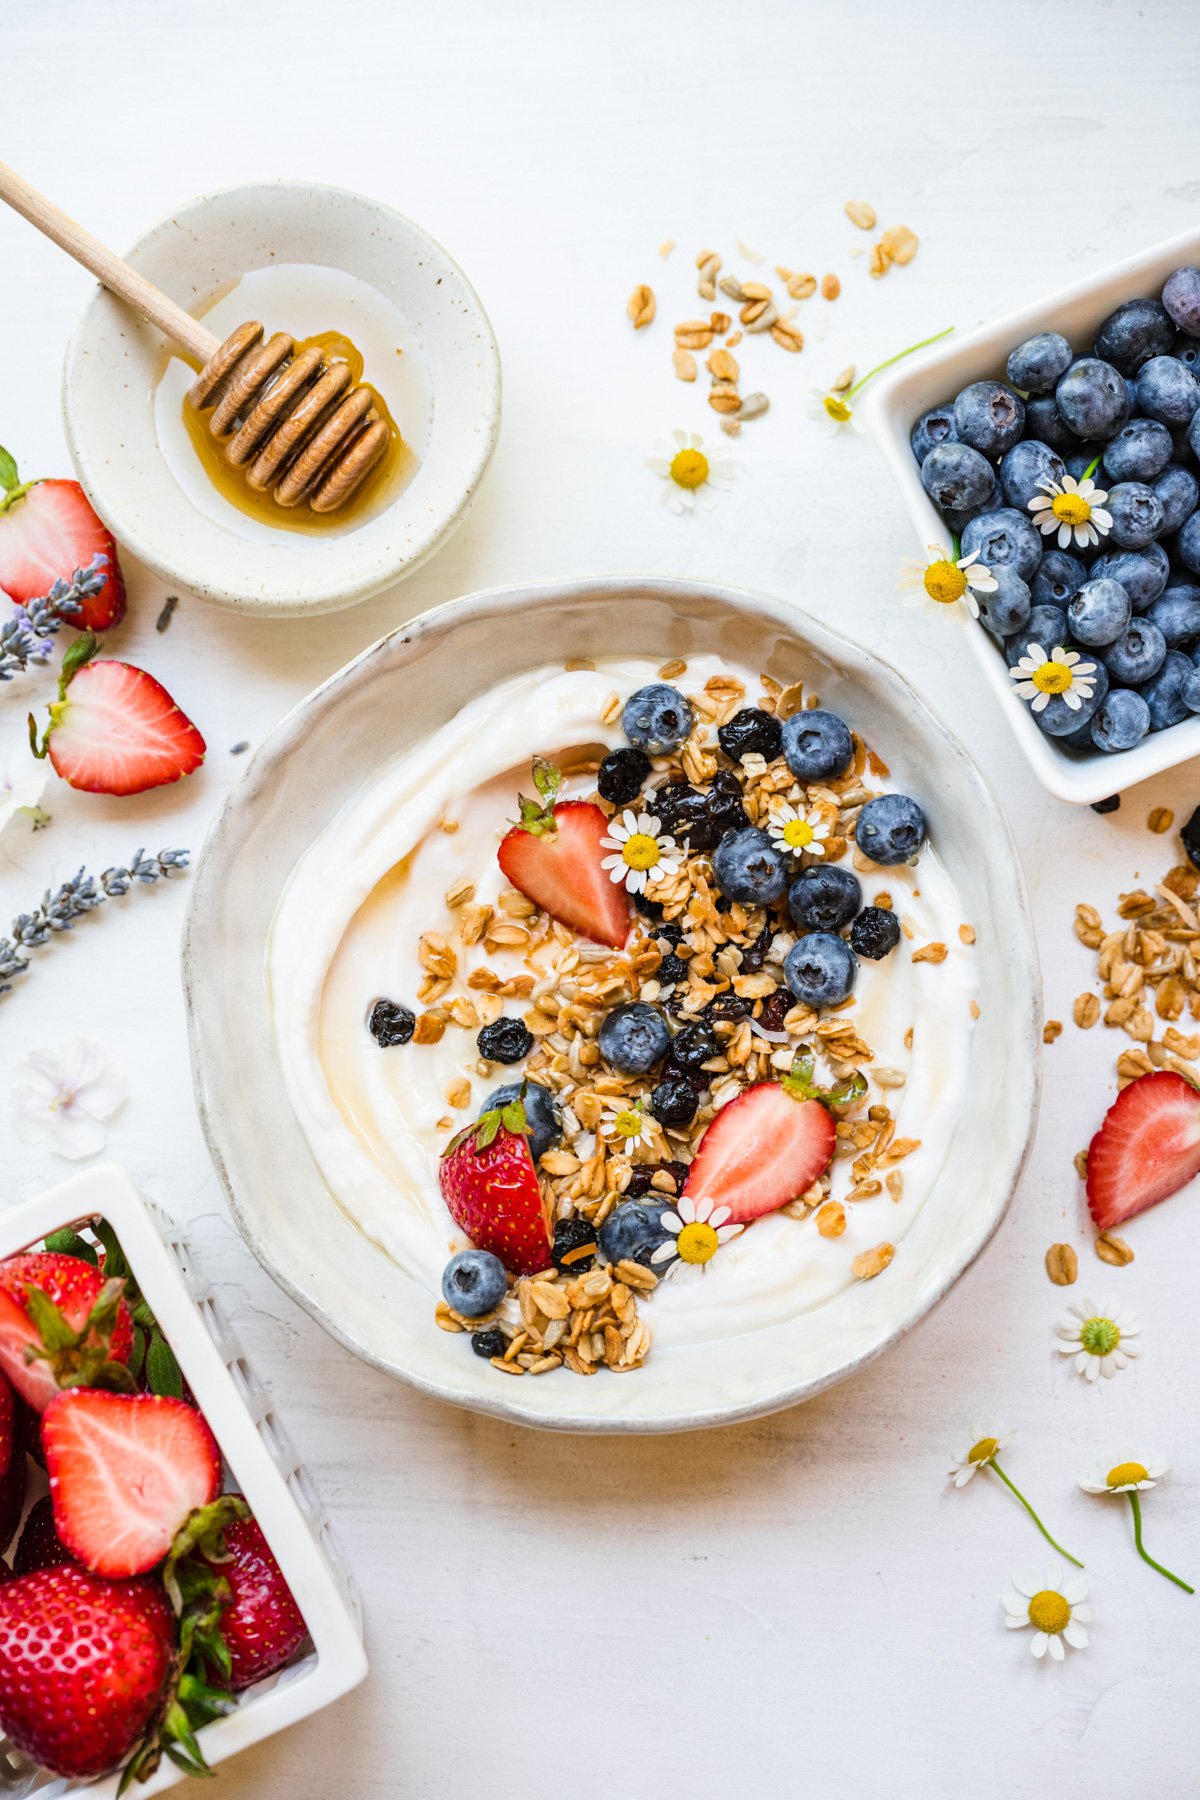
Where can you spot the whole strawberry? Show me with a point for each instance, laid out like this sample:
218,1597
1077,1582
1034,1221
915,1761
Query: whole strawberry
490,1188
39,1546
60,1323
262,1626
84,1666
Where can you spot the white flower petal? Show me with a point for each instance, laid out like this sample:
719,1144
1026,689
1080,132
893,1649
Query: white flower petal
1039,1644
1056,1648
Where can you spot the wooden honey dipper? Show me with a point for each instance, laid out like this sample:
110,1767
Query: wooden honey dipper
296,423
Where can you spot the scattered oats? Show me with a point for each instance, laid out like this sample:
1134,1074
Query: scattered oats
459,893
611,710
883,900
731,287
888,1078
458,1093
753,406
751,256
449,826
580,662
869,1263
1051,1031
762,321
787,335
789,700
894,1182
1161,819
931,953
899,244
685,365
671,671
429,1029
723,397
831,1220
1062,1264
878,265
1086,1011
860,213
801,287
841,384
967,934
831,287
722,366
1081,1162
694,334
908,1038
666,247
640,306
974,1009
1113,1250
731,427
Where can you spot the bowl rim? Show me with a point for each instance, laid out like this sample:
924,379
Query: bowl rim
407,640
336,594
889,412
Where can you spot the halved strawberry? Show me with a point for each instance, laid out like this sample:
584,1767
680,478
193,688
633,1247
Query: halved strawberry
8,1425
116,730
762,1150
556,859
60,1322
491,1191
1147,1148
127,1472
48,530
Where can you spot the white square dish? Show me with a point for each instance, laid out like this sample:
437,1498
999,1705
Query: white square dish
256,1450
893,408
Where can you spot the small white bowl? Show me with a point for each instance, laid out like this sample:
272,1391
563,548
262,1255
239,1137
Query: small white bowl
255,1447
898,402
408,685
114,361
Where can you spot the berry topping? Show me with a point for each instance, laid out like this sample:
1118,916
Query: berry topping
489,1343
817,746
633,1231
671,969
555,857
692,1047
575,1246
890,829
491,1191
751,732
674,1101
1147,1148
48,530
634,1037
505,1040
821,969
474,1282
875,933
543,1115
114,729
390,1024
823,898
657,719
747,867
622,775
761,1150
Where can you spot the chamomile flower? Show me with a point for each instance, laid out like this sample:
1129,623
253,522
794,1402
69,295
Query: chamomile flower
626,1126
797,832
832,412
692,475
641,851
64,1095
1133,1478
1073,509
697,1231
983,1449
1058,1614
943,581
1099,1338
1042,675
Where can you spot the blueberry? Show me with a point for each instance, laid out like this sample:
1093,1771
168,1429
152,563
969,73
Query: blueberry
750,732
1167,390
505,1041
633,1231
1078,738
1044,422
1181,298
1134,333
890,829
1140,451
474,1282
931,429
1187,351
390,1024
1179,493
824,899
1047,626
622,775
821,969
657,718
959,517
674,1101
875,933
1025,467
1188,543
1036,365
1137,654
692,1047
1007,607
1111,805
1060,720
1164,692
1177,615
989,417
634,1037
956,477
1058,576
1189,691
543,1115
748,867
1093,399
1099,612
576,1242
817,746
489,1343
1121,721
1137,514
1004,537
1142,573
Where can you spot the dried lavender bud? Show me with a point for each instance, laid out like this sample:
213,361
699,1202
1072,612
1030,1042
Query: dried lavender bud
82,894
25,637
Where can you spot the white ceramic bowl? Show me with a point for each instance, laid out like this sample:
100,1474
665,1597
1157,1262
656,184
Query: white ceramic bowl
113,363
409,684
256,1449
898,402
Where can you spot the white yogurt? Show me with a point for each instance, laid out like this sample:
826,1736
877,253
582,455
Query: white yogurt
346,931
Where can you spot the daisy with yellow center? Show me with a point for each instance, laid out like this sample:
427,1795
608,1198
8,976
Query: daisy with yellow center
626,1126
1133,1478
797,832
1045,675
940,584
982,1454
640,851
697,1231
1099,1338
1058,1614
833,411
692,475
1073,509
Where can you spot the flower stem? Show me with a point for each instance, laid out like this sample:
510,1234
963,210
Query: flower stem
879,367
1024,1502
1136,1505
1091,468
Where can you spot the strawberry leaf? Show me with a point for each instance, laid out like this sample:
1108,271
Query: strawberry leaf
68,1242
800,1083
537,816
8,470
163,1373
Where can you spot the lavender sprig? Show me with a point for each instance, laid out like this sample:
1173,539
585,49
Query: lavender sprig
25,638
82,894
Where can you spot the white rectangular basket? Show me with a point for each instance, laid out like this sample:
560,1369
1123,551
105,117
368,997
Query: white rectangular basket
894,407
256,1449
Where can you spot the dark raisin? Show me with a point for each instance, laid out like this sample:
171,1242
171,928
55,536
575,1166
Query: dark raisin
754,958
672,969
776,1008
489,1343
681,811
751,732
875,933
726,811
692,1047
1191,838
390,1024
678,1173
575,1246
671,933
639,1181
674,1101
728,1007
622,776
505,1041
1110,805
650,909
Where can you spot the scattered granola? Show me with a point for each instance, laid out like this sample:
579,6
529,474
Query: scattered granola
1051,1031
1149,973
1113,1250
641,306
1062,1265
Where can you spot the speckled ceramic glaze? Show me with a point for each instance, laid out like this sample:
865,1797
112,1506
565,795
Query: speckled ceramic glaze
397,692
113,362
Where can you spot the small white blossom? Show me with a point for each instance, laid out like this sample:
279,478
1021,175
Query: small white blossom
61,1096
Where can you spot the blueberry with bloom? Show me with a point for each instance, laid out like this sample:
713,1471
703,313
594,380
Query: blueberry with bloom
691,474
1131,1477
1058,1615
640,851
982,1454
697,1231
944,581
1099,1338
1073,509
1043,675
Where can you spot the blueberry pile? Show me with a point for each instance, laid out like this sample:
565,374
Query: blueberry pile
1076,484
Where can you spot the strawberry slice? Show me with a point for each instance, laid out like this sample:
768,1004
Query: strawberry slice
560,872
127,1471
116,730
51,1302
762,1150
1147,1148
491,1192
48,530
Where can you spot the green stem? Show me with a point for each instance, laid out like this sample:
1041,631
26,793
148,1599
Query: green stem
1091,468
1136,1505
879,367
957,542
11,495
1024,1502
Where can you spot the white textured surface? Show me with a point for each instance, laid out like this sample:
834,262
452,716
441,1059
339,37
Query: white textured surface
799,1601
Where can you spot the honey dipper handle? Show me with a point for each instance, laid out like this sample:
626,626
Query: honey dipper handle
188,333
